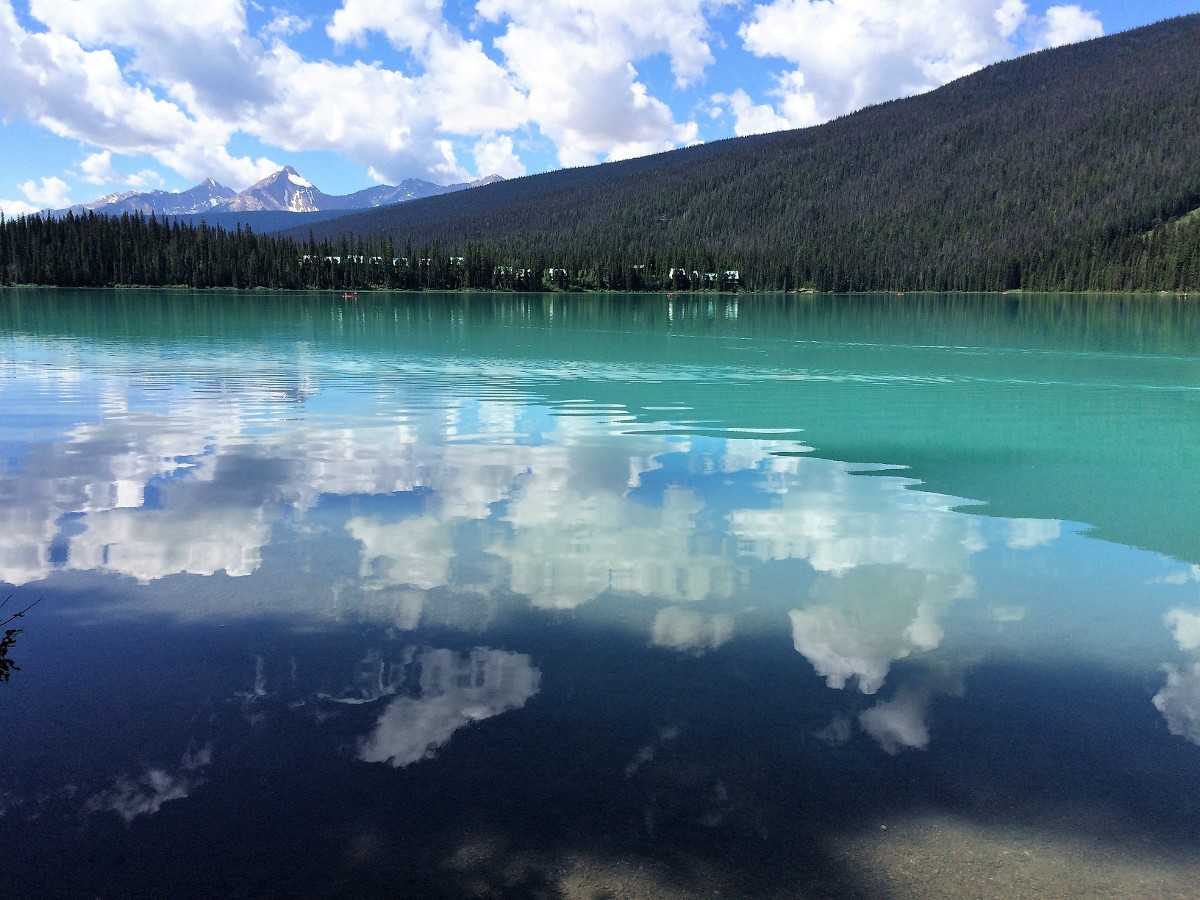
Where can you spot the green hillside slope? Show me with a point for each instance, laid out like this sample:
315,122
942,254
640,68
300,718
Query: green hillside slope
1046,171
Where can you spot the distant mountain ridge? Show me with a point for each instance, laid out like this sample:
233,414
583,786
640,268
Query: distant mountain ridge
284,191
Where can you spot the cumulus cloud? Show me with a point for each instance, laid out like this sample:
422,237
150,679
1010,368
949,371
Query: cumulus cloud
199,51
467,91
184,83
455,690
52,192
98,168
576,63
497,156
192,77
65,81
286,24
12,208
852,53
1066,25
753,118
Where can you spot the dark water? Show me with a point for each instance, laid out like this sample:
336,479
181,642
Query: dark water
579,596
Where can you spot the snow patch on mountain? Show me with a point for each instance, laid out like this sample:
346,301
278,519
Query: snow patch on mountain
283,191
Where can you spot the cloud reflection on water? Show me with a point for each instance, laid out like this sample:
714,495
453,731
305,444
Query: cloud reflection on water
1179,699
461,507
143,796
453,690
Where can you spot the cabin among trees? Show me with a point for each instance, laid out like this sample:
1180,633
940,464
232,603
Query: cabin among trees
97,251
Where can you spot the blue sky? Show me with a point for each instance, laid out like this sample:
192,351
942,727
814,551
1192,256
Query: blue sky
99,96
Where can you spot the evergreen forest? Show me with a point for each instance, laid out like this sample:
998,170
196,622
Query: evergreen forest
1072,169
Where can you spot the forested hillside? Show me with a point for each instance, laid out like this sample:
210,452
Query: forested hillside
1071,169
1041,172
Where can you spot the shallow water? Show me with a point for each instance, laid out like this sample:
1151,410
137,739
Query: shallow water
525,595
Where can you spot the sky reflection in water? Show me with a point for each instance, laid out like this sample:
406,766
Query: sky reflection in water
404,548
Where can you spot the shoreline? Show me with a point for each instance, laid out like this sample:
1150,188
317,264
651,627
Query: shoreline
361,293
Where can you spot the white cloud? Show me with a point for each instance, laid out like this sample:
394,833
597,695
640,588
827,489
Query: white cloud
52,192
13,208
285,25
852,53
192,78
406,23
836,733
151,544
199,51
416,552
750,117
182,82
28,524
496,156
632,29
98,168
455,690
576,62
1010,16
1066,25
364,112
53,80
467,91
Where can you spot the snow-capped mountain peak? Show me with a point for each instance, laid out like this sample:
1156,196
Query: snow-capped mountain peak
283,191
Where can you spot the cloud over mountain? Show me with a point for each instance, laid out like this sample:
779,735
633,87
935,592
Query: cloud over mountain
422,89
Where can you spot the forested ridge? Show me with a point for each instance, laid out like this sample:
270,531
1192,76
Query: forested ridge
1071,169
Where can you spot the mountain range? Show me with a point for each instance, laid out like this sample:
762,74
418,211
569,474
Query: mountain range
285,191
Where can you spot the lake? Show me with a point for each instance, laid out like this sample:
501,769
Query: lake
600,596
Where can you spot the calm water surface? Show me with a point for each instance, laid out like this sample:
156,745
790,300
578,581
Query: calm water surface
586,596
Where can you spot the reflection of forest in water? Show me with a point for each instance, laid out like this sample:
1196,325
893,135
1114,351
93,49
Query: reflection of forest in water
1152,324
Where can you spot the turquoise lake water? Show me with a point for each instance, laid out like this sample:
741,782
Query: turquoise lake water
600,596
